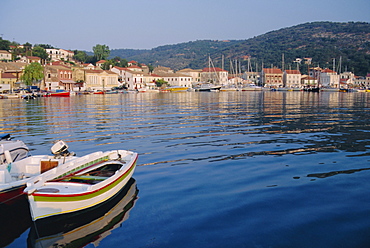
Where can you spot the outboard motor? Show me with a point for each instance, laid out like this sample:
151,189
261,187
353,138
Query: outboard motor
61,149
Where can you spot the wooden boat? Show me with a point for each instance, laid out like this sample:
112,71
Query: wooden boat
99,92
60,94
177,89
80,184
17,167
86,226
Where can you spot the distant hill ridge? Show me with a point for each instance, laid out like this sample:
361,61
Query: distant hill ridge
347,43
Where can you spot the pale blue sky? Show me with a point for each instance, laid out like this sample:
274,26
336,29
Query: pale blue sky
146,24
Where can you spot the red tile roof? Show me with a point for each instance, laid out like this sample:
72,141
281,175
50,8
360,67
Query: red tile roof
293,72
7,75
272,70
328,71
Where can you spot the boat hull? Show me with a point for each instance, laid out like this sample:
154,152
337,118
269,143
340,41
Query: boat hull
60,94
58,197
86,225
12,194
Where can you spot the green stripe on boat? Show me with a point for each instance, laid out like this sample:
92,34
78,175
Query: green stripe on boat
84,196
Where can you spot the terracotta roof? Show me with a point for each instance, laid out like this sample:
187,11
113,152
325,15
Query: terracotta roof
272,70
7,75
328,70
101,61
292,72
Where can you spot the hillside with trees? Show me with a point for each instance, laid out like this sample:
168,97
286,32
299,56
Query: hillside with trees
345,44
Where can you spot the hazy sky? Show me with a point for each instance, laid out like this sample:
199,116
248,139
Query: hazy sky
146,24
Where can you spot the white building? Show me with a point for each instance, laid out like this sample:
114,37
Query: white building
177,79
329,78
5,55
292,79
194,74
59,54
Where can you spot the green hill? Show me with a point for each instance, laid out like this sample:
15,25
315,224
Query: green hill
321,41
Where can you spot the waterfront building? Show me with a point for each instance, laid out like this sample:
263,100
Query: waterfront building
329,78
100,80
194,74
58,77
176,79
252,76
148,79
347,79
292,78
309,82
7,81
362,82
272,77
133,80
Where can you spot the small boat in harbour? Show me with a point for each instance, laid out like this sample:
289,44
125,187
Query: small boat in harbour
80,184
177,89
59,94
85,226
17,167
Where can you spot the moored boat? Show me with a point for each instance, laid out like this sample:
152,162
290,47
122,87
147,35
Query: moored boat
177,89
59,93
17,167
82,183
85,226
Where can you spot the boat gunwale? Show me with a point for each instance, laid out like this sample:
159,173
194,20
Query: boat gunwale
71,195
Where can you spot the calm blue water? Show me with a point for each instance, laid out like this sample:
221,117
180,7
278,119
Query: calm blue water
227,169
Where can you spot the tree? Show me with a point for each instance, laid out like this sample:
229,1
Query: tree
4,44
80,56
40,52
161,82
28,48
101,51
33,72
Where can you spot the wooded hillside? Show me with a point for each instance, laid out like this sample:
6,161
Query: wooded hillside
321,41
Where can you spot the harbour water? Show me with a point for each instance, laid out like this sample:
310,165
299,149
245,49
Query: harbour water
226,169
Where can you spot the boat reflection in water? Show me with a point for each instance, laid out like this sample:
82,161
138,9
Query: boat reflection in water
15,220
78,229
